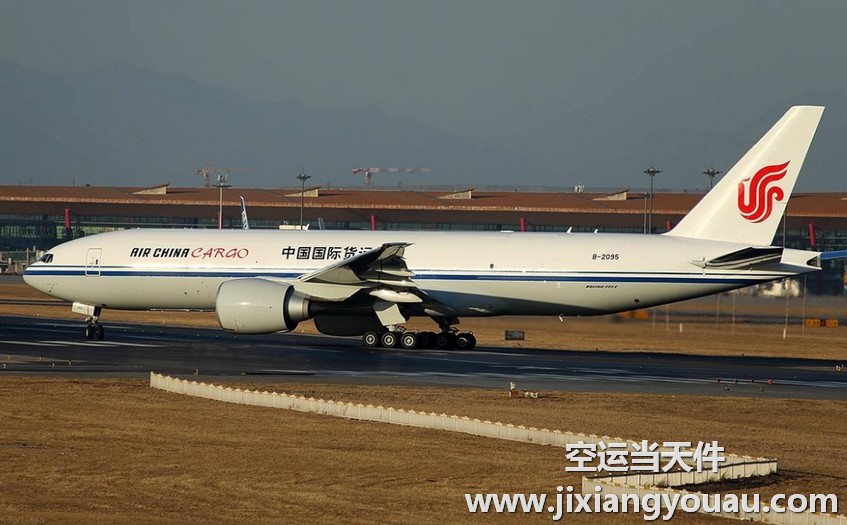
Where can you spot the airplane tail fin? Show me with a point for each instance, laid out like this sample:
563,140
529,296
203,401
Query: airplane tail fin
244,224
746,206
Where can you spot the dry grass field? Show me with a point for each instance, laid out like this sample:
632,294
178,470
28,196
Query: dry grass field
116,451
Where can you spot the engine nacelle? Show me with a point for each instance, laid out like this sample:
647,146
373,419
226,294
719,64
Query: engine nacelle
260,306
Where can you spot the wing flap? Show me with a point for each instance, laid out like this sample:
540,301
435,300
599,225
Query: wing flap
393,296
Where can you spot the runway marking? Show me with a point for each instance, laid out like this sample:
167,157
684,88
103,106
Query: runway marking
549,377
119,343
791,382
29,343
100,344
78,343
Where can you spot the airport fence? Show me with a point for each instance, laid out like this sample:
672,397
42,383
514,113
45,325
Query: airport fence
735,466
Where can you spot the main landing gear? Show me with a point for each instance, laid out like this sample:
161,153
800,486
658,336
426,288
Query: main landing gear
448,339
410,340
93,328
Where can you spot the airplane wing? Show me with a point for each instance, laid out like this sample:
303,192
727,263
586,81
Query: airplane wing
382,272
382,265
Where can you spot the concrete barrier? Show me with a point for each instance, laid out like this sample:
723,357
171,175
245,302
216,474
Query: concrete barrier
497,429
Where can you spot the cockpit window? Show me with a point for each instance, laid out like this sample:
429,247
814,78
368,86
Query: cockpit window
46,258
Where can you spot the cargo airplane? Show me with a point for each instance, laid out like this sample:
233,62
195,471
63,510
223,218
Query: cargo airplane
369,283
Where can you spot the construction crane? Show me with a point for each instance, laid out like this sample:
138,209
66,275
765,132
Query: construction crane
368,172
209,170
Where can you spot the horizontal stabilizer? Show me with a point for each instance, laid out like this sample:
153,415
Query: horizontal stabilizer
744,258
832,256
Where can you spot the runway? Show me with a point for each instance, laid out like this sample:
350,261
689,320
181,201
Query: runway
57,347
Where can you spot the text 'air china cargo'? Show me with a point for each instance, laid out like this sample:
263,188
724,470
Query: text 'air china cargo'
368,283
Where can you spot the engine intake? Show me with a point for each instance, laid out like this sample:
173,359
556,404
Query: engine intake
259,306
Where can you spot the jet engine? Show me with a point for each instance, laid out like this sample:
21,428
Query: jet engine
260,306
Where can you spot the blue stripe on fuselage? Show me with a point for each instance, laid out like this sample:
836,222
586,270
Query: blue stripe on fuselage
599,278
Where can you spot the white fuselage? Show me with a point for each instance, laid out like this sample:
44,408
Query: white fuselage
477,274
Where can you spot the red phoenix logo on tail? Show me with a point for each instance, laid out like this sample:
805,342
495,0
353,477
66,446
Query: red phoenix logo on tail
755,202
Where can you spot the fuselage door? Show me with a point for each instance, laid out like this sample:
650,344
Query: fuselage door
92,262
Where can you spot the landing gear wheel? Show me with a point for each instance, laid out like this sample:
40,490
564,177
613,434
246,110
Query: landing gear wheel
409,340
93,328
389,340
465,341
427,340
446,341
370,339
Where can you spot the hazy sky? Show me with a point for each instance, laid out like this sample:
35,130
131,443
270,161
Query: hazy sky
484,69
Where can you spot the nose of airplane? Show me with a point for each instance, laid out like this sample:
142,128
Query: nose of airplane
30,277
34,278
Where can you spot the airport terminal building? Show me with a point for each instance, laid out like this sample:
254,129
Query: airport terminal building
39,217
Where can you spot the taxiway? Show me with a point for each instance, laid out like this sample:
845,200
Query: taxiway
41,346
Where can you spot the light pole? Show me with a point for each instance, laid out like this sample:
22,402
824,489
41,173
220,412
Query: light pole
302,178
221,184
711,173
652,172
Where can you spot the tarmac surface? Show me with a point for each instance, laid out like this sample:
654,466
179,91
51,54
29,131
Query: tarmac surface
57,347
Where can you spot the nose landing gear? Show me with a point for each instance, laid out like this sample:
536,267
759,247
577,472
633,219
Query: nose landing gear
93,328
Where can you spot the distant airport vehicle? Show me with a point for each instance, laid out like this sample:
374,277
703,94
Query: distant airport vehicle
369,283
